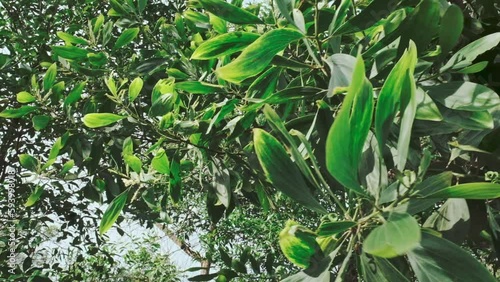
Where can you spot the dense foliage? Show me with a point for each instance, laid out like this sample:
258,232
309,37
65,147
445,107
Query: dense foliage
368,129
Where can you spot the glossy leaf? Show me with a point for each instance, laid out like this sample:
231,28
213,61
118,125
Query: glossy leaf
112,212
25,97
198,87
223,45
399,235
464,95
478,191
100,119
229,12
126,37
347,135
257,56
135,88
465,56
299,245
281,171
437,259
34,197
50,77
452,24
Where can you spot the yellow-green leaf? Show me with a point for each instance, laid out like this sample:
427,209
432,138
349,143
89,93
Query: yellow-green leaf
34,197
25,97
50,77
68,38
126,37
100,119
224,44
135,88
28,162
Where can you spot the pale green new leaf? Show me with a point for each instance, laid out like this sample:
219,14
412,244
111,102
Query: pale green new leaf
34,197
135,88
24,97
399,235
160,162
68,38
346,138
126,37
100,119
133,162
112,212
67,166
257,56
281,171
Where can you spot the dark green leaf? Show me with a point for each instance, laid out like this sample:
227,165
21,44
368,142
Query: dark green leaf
451,28
17,113
379,269
464,95
230,13
68,38
126,37
112,212
70,52
28,162
40,122
224,44
333,228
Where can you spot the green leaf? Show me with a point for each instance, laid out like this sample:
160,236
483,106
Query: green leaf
399,235
25,97
476,191
334,228
28,162
100,119
299,244
34,197
477,120
281,171
75,94
98,23
67,166
475,68
223,45
70,52
257,56
347,135
426,108
50,77
40,122
118,7
229,12
128,146
160,162
133,162
112,212
68,38
97,59
464,95
198,87
465,56
396,94
451,28
135,88
17,113
375,11
452,220
379,269
218,24
437,259
126,37
175,181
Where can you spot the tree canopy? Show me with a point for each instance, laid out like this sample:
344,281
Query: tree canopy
295,140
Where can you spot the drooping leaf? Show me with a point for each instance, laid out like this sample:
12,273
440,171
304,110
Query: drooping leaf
347,135
70,52
134,89
68,38
257,56
34,197
281,171
24,97
28,162
399,235
465,56
112,212
464,95
299,244
49,77
40,121
95,120
133,162
452,24
224,44
221,182
437,259
229,12
126,37
478,191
